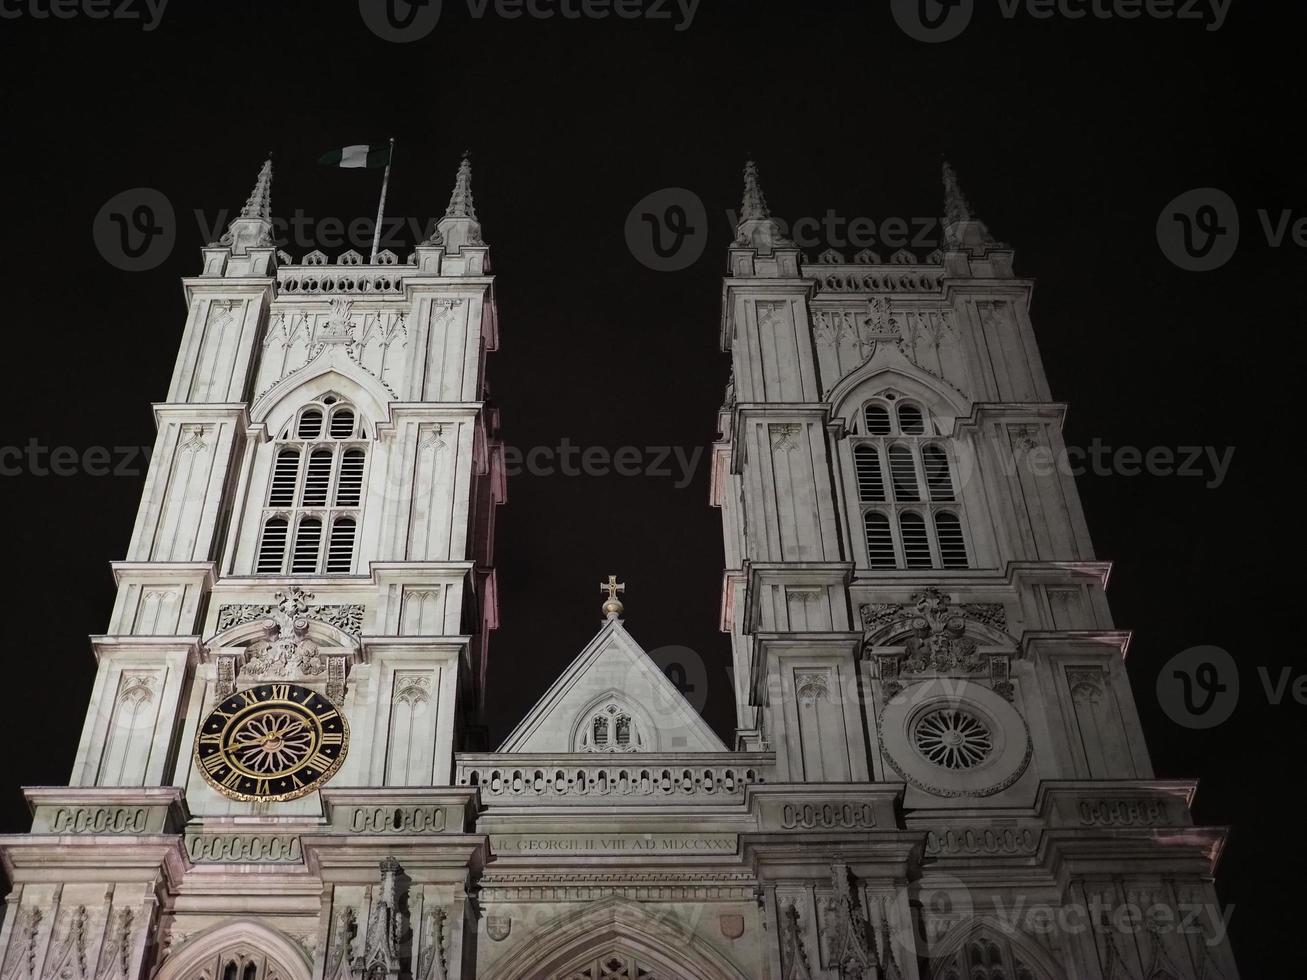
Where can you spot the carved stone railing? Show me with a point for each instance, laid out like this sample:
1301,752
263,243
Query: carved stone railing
334,280
876,279
613,778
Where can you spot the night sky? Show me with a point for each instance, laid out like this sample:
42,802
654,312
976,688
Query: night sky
1070,136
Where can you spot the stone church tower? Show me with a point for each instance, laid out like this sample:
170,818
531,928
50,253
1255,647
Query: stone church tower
937,770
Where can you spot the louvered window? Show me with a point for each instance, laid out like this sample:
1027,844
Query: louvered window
916,546
880,541
312,514
871,484
903,469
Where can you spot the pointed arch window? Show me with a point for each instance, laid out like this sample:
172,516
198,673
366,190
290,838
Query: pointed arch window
986,958
610,728
242,961
313,509
904,471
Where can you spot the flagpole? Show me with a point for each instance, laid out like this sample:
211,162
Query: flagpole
381,205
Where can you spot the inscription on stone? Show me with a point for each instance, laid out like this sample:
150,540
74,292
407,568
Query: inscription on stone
505,844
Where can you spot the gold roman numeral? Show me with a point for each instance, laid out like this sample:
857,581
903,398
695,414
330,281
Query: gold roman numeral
213,763
333,738
320,762
281,692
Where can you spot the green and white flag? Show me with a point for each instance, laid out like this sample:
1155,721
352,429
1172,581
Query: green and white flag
373,156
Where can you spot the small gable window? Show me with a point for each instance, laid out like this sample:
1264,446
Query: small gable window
610,728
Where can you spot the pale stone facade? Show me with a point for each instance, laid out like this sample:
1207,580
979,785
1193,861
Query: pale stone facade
937,771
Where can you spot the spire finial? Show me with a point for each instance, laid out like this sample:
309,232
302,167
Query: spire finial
956,205
961,226
755,202
613,607
252,228
460,202
259,204
756,227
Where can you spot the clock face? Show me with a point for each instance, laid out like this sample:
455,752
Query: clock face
272,742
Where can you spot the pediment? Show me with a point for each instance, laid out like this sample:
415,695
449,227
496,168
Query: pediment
613,699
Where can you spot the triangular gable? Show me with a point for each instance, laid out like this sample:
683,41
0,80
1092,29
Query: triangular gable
613,671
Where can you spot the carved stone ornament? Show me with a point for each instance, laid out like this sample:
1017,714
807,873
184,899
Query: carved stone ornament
432,963
848,944
380,956
66,957
116,953
339,328
344,931
20,960
732,926
498,927
933,631
285,651
794,959
296,603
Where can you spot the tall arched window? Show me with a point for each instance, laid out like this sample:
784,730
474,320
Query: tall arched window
311,519
904,473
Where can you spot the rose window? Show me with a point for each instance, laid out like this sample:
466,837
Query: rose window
953,739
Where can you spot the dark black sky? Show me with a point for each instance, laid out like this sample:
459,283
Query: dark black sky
1069,137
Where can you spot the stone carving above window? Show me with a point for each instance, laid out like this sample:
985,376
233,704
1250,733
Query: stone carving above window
296,602
285,650
934,631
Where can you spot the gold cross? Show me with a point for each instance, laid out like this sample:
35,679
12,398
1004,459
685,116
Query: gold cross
612,586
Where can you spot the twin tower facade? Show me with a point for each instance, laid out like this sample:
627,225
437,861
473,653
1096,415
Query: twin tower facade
937,771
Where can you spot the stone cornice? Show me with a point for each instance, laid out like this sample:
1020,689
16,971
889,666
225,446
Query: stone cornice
353,858
1036,643
146,647
156,859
